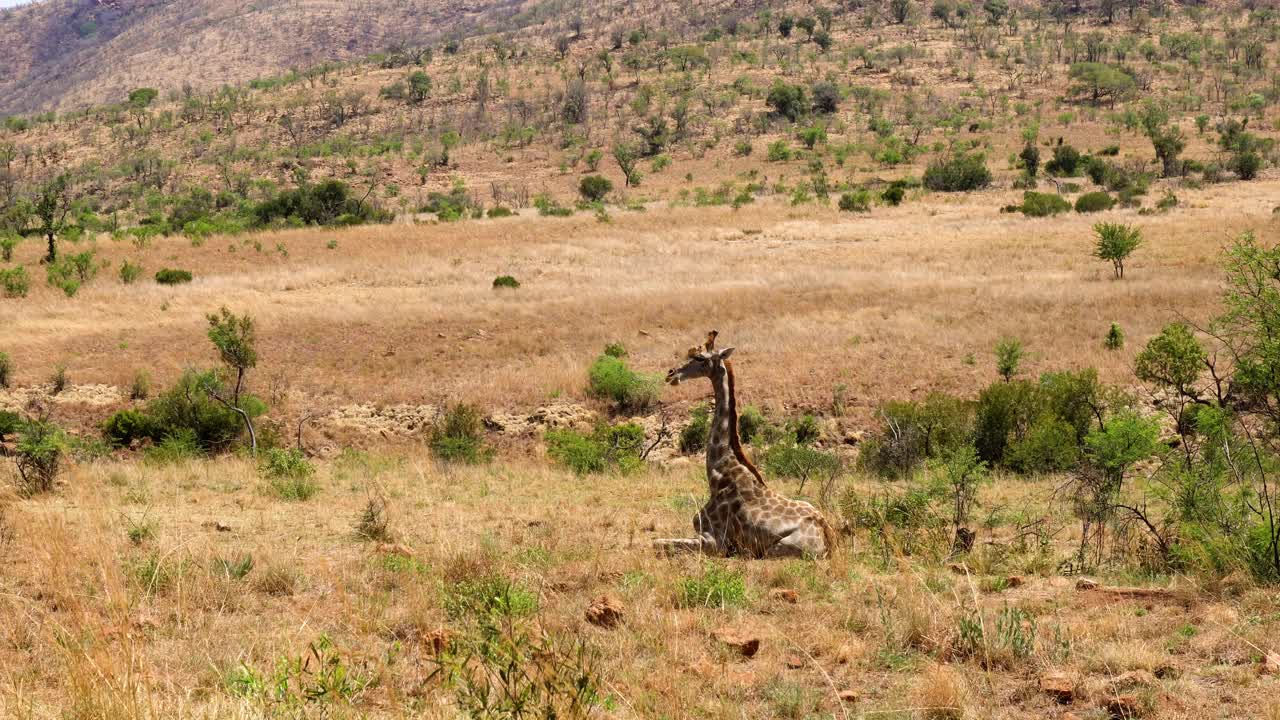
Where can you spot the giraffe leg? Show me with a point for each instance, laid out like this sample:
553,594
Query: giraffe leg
705,543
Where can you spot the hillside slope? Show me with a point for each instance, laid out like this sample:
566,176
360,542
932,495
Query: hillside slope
61,54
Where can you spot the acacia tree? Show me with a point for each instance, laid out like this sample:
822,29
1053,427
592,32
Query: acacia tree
235,339
1115,243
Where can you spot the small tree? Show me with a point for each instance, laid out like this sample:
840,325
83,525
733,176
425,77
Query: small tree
53,202
235,339
627,159
1115,338
1009,354
962,471
1115,243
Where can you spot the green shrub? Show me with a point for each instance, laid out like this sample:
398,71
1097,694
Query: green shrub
15,282
39,454
1037,204
693,438
129,273
169,276
804,430
778,151
548,207
8,243
128,426
70,272
1094,202
856,201
752,424
787,100
451,206
486,598
1004,412
742,148
615,350
6,370
915,431
499,211
958,173
10,423
1065,161
608,447
1115,338
716,587
505,281
1050,445
289,474
187,407
610,378
458,436
894,194
179,446
788,460
594,188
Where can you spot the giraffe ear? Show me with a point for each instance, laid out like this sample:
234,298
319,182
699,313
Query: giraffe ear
725,353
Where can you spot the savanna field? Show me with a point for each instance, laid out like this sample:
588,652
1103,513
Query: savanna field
331,382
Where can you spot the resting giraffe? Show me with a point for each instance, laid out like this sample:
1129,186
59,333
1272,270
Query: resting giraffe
743,516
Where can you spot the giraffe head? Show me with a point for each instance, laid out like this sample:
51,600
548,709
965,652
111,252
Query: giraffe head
700,362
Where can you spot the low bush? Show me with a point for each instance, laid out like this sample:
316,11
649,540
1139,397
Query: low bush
39,454
458,436
894,194
505,281
856,201
1065,162
958,173
1038,204
787,460
609,378
129,272
915,431
693,438
1094,202
170,276
289,474
607,448
594,188
6,370
15,282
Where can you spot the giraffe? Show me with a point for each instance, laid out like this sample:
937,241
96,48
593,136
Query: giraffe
743,516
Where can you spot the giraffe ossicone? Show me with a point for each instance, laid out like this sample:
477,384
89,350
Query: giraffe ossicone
743,516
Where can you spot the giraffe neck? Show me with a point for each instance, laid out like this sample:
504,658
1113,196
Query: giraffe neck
724,444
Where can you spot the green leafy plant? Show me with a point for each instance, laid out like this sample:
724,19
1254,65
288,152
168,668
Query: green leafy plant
458,436
505,282
15,282
610,378
1115,337
717,587
171,276
608,447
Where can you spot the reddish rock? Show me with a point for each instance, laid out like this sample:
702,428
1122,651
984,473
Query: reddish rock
795,662
785,595
849,696
747,644
1086,584
1124,706
1014,581
605,611
1059,686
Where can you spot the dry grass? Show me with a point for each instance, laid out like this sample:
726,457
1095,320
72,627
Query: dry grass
811,299
95,625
